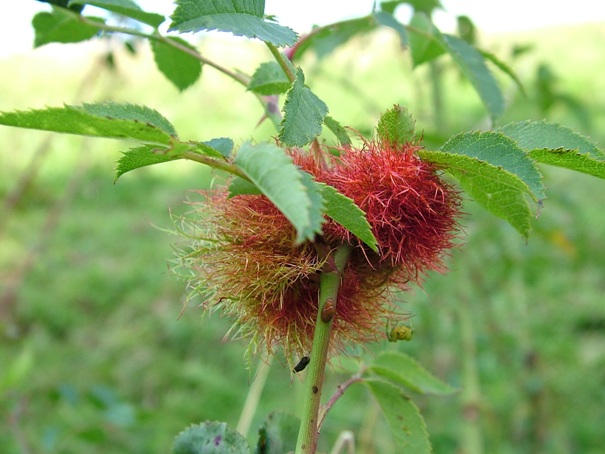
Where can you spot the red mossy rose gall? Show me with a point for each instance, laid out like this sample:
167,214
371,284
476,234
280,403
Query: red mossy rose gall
245,264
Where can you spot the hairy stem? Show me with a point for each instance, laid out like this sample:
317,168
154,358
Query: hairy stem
328,293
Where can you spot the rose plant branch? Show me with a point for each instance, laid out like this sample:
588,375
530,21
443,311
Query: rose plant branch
329,284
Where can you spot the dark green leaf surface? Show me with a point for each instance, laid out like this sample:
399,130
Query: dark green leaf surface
179,67
570,159
304,114
221,146
278,434
407,426
142,156
126,8
403,370
472,64
240,17
288,187
425,40
538,135
344,211
111,120
61,26
269,79
396,126
500,151
497,190
239,186
210,437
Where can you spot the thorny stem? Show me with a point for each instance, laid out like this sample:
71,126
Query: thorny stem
328,293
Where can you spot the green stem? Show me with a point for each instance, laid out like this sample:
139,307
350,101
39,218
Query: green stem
214,163
328,292
281,60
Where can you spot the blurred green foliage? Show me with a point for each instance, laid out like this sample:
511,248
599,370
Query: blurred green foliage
94,354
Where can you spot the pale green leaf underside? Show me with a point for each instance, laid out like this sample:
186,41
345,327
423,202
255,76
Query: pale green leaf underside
269,79
210,437
472,64
304,114
110,120
344,211
240,17
497,190
540,135
500,151
179,67
239,186
61,26
142,156
126,8
276,175
338,130
403,417
570,159
405,371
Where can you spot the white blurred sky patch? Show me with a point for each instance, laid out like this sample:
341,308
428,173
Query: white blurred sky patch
490,16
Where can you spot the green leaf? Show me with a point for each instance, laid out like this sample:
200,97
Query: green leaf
403,370
179,67
239,186
126,8
240,17
345,212
571,160
472,64
288,187
111,120
142,156
425,40
219,147
269,79
500,151
304,114
62,26
396,126
538,135
278,434
497,190
403,417
338,130
210,437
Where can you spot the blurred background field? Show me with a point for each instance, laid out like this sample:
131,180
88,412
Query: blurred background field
94,357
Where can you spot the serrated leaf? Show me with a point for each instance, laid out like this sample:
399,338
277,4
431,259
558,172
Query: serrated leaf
210,437
396,126
143,156
537,135
425,39
239,186
500,151
570,159
278,434
269,79
110,120
304,114
403,417
497,190
472,64
403,370
344,211
126,8
179,67
240,17
338,130
220,146
62,26
276,175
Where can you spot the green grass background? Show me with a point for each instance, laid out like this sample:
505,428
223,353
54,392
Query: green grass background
94,357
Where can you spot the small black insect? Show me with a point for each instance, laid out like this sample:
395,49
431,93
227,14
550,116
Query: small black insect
304,361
